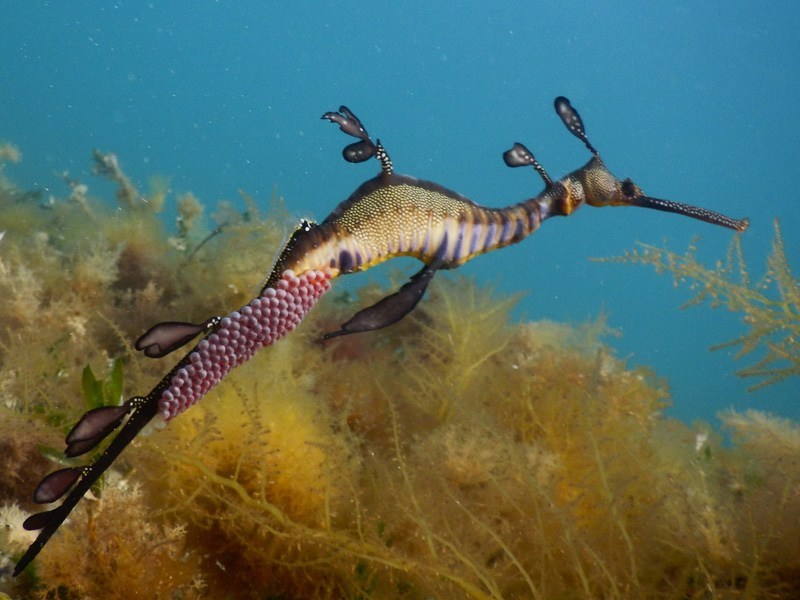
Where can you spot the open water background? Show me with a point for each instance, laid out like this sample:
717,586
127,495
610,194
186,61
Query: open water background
696,101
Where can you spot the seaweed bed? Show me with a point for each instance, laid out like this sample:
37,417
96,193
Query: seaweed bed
456,454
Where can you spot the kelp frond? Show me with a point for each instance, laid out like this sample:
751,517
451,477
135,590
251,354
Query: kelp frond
769,307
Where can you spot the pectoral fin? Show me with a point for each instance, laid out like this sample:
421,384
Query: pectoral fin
389,310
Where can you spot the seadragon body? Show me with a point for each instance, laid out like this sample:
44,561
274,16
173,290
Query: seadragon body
388,216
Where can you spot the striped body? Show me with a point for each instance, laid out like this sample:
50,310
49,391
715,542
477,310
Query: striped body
396,215
386,217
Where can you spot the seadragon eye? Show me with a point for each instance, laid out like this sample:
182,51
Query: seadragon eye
629,188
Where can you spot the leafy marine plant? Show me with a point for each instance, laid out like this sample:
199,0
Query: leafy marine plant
457,454
770,306
389,216
76,280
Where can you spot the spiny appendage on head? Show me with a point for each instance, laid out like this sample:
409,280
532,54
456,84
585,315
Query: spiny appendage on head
239,335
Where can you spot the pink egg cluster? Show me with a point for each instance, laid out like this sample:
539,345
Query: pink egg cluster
239,335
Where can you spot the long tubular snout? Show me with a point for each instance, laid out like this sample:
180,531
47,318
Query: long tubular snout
695,212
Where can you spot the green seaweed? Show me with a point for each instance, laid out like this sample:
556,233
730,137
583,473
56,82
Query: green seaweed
457,454
770,307
102,392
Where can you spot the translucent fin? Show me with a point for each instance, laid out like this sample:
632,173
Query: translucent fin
390,309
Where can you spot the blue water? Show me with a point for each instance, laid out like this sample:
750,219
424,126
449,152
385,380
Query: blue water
697,102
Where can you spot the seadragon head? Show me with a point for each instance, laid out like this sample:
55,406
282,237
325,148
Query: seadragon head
601,188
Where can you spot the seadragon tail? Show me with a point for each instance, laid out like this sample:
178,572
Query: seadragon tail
235,339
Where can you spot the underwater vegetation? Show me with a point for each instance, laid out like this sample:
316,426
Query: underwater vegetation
770,307
457,454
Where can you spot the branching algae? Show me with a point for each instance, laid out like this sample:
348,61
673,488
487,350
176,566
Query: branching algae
770,307
389,216
453,455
